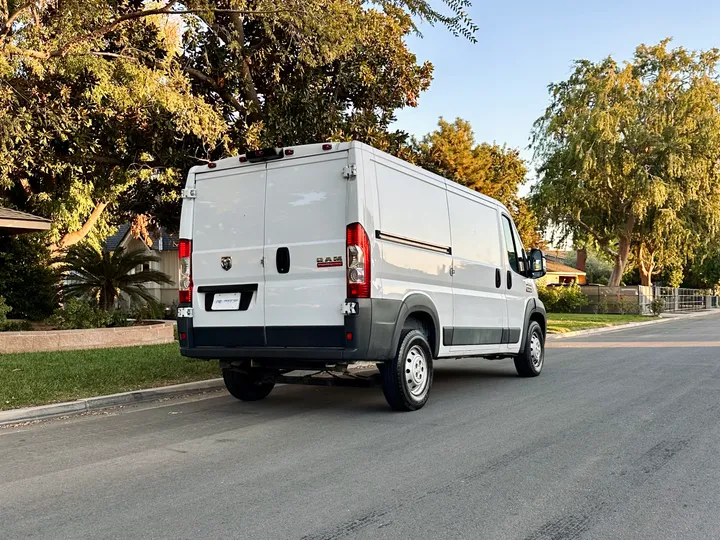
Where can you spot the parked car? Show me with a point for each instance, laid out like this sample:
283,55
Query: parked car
323,255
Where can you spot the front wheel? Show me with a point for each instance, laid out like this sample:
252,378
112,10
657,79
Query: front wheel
250,386
529,363
407,378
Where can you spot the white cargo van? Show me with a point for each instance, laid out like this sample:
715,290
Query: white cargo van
319,256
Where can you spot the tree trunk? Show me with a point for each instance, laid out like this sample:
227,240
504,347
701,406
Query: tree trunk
620,262
249,89
646,277
646,267
73,237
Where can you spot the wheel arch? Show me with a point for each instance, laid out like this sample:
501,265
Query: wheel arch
420,308
534,311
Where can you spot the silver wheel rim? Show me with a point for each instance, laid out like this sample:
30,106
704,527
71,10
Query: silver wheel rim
415,372
536,350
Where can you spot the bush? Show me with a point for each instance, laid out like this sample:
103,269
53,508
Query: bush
562,299
549,296
4,310
79,314
28,283
148,311
10,326
15,326
657,306
628,305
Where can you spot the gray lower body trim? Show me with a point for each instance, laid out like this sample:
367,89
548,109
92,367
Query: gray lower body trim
458,336
366,335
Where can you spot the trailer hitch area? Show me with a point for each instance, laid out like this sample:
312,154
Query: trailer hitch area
355,375
330,378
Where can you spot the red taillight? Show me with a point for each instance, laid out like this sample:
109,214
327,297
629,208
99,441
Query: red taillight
289,152
327,147
212,165
184,248
358,262
243,159
185,284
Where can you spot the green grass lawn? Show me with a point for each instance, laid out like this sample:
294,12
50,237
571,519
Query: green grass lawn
559,323
40,378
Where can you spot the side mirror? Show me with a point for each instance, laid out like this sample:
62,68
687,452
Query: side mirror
537,264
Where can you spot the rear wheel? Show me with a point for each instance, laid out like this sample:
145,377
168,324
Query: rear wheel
406,379
529,363
250,386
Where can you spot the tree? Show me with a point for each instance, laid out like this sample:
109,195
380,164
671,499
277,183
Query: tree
496,171
104,104
27,282
104,276
628,157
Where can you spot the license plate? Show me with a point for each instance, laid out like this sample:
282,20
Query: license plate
226,301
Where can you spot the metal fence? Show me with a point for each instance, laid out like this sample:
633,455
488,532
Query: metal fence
614,300
685,299
638,299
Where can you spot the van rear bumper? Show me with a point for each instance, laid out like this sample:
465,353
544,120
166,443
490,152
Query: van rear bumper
366,335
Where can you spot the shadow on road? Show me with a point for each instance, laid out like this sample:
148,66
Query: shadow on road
450,381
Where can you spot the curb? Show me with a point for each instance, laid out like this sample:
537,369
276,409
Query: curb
43,412
618,327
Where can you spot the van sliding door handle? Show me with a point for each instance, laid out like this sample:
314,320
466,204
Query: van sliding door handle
282,260
509,280
498,278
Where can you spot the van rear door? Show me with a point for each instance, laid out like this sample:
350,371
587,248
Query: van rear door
229,215
304,251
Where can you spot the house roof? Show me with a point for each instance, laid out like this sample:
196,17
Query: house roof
113,241
557,268
16,222
169,241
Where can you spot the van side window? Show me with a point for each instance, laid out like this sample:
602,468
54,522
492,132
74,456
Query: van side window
512,251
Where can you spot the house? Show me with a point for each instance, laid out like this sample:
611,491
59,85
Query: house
164,246
15,222
563,274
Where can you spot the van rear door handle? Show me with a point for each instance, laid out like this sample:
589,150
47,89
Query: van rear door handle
498,278
509,280
282,260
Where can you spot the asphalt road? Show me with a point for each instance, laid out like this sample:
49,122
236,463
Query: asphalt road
611,442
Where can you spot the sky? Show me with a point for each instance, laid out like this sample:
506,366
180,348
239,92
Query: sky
499,84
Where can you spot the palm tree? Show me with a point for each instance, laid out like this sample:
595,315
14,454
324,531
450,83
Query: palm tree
103,276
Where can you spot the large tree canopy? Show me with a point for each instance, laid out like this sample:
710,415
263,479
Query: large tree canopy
105,103
629,156
496,171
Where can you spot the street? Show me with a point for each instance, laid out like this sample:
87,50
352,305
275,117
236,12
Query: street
609,442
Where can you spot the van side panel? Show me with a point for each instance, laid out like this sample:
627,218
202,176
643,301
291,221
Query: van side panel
480,309
414,232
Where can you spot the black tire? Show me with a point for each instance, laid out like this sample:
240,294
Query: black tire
529,363
407,378
248,386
